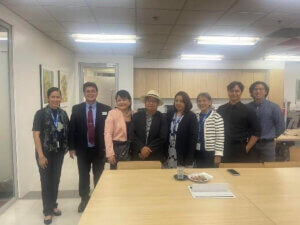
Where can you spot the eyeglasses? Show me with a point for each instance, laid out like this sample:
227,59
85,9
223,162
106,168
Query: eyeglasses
259,89
90,91
152,101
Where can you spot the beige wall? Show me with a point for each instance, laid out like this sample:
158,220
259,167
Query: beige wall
31,48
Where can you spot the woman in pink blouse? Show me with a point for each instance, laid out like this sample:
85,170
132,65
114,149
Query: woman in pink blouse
118,130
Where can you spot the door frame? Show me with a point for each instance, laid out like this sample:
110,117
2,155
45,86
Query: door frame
82,65
12,115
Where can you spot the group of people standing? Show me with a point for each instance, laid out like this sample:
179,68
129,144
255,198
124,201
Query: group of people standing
235,132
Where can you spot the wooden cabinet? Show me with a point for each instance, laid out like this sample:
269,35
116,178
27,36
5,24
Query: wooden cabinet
222,82
212,83
139,83
168,82
151,80
259,76
201,82
164,83
276,84
176,82
247,80
189,83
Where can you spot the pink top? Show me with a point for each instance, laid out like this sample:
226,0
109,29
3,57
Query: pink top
115,130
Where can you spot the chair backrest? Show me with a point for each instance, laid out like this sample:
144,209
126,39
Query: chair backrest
281,164
241,165
132,165
294,154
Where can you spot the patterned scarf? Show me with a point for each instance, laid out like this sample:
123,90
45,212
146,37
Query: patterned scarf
50,138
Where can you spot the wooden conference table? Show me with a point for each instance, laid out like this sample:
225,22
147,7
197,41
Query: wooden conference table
145,197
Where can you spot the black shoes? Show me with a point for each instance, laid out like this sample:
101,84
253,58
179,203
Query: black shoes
83,204
57,212
48,221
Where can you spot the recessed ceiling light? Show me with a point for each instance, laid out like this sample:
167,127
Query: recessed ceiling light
201,57
223,40
292,58
100,38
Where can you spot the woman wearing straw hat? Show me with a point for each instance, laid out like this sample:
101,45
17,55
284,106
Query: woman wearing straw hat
150,129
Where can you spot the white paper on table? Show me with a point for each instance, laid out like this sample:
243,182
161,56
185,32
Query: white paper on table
216,190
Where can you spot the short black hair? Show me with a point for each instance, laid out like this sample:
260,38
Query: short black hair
233,84
89,84
205,95
252,87
186,100
52,89
124,95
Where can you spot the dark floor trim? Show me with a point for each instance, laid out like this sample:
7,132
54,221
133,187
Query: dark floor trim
61,194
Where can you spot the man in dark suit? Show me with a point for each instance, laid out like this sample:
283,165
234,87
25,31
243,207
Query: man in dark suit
150,129
86,139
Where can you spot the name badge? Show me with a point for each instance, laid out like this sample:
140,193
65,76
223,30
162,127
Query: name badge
198,146
104,113
57,144
59,126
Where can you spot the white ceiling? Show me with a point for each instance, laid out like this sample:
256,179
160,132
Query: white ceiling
173,32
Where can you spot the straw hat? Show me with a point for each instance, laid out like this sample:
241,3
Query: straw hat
153,94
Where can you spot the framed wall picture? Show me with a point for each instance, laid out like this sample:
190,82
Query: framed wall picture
47,80
63,79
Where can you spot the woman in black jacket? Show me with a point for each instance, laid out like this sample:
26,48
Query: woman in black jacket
182,127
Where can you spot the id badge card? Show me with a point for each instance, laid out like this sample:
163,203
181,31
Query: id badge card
198,146
59,126
57,143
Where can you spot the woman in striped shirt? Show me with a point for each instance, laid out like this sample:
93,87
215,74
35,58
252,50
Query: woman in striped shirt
210,142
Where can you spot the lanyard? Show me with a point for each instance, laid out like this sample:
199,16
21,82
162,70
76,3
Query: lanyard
175,123
202,121
55,120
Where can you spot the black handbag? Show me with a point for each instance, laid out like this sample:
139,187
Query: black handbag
122,150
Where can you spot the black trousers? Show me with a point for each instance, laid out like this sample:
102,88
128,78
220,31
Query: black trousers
205,159
50,178
86,160
235,152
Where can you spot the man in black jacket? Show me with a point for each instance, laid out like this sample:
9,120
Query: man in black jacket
150,130
86,139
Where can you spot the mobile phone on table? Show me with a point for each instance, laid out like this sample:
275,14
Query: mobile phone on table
233,172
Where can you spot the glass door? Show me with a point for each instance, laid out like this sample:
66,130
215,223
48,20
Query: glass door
104,75
7,169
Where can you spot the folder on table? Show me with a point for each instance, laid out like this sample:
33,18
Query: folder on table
216,190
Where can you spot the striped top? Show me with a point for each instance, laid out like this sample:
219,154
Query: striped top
214,133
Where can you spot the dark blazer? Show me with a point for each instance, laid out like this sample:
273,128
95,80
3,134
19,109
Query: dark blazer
78,128
157,135
186,137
